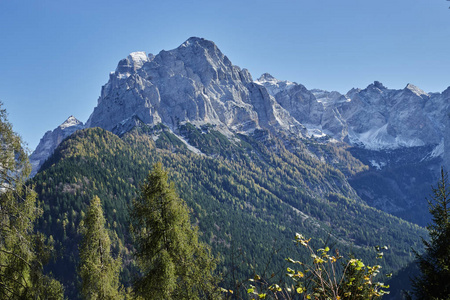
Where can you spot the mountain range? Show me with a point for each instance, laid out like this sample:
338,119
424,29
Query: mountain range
256,161
399,135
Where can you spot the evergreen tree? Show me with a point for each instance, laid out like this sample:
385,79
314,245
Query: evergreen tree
22,251
434,263
99,271
173,263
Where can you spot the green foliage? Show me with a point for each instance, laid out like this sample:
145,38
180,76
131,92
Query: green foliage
98,270
207,140
322,277
22,251
173,263
434,263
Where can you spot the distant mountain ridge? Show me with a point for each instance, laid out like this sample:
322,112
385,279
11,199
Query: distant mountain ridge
51,140
374,118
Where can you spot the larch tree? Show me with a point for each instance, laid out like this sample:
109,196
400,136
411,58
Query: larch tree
22,251
98,270
173,263
434,263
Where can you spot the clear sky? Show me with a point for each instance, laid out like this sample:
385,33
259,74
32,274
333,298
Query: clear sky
55,55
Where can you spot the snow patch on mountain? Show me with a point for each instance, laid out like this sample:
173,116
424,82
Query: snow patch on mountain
416,90
274,85
70,122
138,59
379,138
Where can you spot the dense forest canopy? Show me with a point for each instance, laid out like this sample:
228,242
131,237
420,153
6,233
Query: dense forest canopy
248,204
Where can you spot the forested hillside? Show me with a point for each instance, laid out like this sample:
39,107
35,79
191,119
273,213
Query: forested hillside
248,195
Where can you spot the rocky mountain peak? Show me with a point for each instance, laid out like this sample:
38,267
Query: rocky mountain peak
193,83
417,91
71,121
353,92
132,63
201,48
446,93
51,140
376,85
274,85
137,59
379,85
266,77
202,55
198,42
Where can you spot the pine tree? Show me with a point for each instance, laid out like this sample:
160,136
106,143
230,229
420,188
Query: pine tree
173,263
434,263
98,270
22,251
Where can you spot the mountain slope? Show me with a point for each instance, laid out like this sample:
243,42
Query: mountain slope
196,83
246,197
268,156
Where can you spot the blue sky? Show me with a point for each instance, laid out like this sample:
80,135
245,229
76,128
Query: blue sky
56,55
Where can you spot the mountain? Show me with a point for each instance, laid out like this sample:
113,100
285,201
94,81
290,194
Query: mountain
249,197
399,134
267,155
193,83
375,118
197,83
51,140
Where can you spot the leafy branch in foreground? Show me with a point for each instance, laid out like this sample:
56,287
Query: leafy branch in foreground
325,277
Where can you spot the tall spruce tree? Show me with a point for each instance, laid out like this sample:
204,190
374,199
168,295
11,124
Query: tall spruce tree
22,251
434,263
98,270
173,263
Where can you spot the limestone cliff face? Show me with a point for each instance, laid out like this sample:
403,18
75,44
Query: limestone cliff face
193,83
